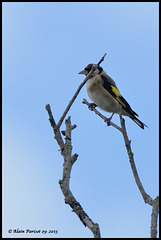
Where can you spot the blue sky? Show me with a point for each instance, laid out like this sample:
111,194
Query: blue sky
44,46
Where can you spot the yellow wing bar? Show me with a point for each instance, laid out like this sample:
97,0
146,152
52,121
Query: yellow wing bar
118,95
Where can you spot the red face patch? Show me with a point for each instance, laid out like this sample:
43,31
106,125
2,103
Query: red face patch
89,66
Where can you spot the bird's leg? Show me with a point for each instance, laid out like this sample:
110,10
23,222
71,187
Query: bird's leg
91,106
108,120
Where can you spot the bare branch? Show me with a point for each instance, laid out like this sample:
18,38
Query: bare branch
51,119
69,160
154,217
102,59
64,183
56,130
154,203
145,196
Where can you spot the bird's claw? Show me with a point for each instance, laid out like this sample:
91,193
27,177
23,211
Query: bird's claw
92,106
108,121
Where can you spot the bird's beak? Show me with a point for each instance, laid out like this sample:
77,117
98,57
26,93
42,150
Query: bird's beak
83,72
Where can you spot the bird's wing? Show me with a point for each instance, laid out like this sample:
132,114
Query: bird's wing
108,79
111,87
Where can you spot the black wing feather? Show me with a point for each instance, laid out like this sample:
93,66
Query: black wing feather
109,87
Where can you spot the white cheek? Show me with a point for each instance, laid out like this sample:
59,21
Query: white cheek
96,72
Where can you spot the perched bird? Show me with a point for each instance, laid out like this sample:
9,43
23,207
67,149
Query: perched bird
102,90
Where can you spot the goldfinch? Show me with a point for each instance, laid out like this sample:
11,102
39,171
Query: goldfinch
102,90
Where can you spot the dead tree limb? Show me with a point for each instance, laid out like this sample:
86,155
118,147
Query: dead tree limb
69,159
154,203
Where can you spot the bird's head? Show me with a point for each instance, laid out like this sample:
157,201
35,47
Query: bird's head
88,68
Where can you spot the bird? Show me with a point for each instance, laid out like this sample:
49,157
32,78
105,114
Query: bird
102,90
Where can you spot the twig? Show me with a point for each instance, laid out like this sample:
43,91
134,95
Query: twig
56,130
77,91
102,59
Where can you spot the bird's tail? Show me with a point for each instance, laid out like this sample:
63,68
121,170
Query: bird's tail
138,122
